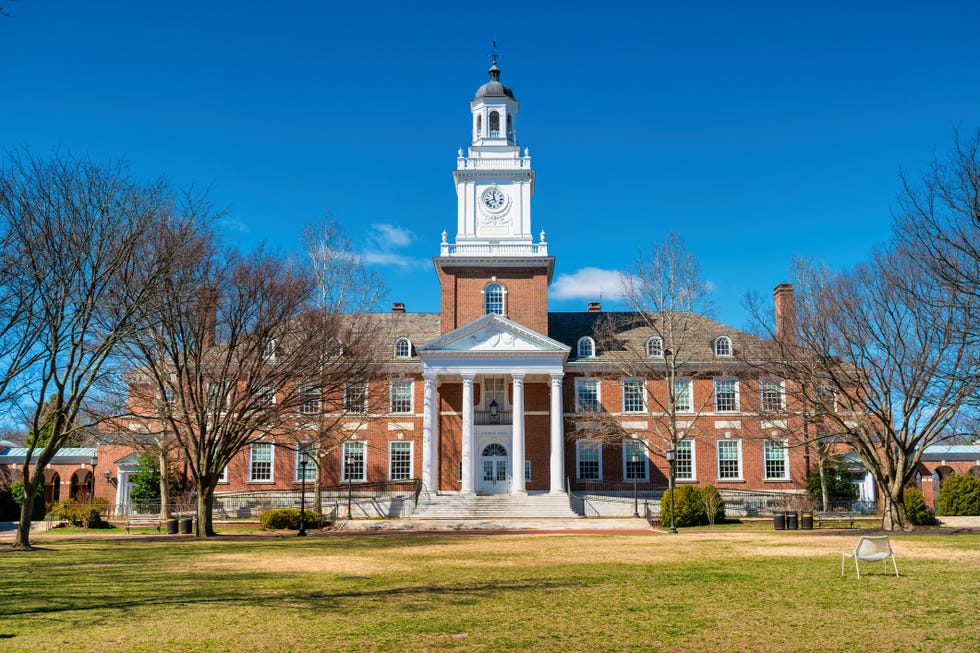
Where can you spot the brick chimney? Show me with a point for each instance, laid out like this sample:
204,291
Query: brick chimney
782,296
595,307
398,307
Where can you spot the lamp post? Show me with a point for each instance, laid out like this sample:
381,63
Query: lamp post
671,454
91,496
636,460
304,459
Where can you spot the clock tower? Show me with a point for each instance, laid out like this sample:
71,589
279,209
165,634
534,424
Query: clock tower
494,246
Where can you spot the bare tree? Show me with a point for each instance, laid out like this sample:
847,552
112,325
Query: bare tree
659,345
337,401
82,248
882,365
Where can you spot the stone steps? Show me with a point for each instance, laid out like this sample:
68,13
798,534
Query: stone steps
495,506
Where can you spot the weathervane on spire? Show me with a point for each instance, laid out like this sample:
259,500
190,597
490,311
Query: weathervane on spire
494,54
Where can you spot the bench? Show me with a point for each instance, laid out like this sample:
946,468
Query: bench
142,522
835,518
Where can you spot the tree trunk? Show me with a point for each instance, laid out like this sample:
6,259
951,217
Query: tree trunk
824,492
893,516
22,540
205,526
164,487
317,486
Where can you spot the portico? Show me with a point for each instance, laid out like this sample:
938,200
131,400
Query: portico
493,353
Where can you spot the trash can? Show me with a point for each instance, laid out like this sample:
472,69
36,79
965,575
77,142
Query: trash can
792,521
186,525
779,521
806,521
171,526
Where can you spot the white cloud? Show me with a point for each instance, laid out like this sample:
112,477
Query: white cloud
234,225
589,283
393,259
387,236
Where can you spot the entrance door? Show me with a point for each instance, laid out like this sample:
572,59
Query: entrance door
494,479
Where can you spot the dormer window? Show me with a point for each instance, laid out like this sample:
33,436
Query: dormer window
723,346
269,353
493,299
655,347
403,348
586,347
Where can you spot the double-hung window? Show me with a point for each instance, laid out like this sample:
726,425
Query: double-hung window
684,461
682,395
588,460
401,397
775,454
310,469
309,397
726,395
586,395
633,399
635,461
260,456
771,396
399,460
355,397
355,461
730,460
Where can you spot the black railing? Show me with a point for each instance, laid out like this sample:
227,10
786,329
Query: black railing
490,418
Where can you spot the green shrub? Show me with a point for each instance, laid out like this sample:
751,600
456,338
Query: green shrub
688,507
959,495
915,507
288,519
17,496
714,505
84,515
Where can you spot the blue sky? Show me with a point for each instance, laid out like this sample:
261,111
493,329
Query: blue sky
759,131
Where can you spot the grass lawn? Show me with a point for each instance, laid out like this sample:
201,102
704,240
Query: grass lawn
701,590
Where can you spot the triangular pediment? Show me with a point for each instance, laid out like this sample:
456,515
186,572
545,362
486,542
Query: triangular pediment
493,333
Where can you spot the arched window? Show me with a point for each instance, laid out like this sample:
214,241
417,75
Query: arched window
655,347
269,352
494,124
494,449
479,126
493,299
586,347
723,346
403,348
510,126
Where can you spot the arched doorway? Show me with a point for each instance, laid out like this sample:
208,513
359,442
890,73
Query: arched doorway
52,487
494,479
81,483
938,478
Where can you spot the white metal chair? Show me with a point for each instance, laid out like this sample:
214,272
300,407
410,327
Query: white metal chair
871,549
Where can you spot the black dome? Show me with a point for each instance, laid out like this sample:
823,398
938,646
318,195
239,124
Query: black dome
494,88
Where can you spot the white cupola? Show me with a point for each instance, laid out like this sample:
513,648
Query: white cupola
494,112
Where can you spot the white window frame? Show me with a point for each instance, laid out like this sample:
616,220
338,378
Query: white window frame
310,399
655,347
689,384
769,445
269,350
397,444
487,292
403,348
687,443
252,448
581,382
310,463
726,443
401,383
640,447
527,471
223,476
723,347
214,388
642,387
769,384
266,394
591,444
726,379
348,403
345,453
586,347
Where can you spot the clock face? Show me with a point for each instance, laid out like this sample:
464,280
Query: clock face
494,199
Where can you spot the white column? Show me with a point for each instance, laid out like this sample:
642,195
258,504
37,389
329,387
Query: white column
557,437
517,403
429,434
121,479
469,487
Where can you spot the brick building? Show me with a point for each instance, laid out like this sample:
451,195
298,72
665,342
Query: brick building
495,394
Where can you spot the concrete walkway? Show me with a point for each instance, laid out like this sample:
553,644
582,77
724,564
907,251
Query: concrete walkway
517,525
